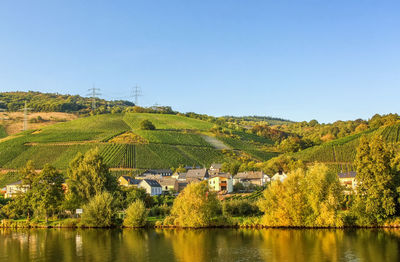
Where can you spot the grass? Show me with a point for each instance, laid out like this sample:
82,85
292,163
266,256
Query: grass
3,132
164,121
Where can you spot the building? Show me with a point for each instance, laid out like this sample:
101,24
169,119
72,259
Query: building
16,188
221,182
256,178
128,181
348,179
201,174
215,169
152,187
179,176
279,176
162,172
169,184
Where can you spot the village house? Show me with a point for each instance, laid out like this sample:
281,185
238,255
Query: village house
152,187
179,176
160,172
256,178
128,181
215,169
348,179
201,174
16,188
281,176
169,184
221,182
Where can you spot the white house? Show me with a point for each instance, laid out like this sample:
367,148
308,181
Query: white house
15,188
279,176
152,187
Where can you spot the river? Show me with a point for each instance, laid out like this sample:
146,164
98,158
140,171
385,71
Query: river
199,245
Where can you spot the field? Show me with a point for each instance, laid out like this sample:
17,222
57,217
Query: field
2,132
178,140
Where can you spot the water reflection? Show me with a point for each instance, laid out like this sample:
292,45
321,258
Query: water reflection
199,245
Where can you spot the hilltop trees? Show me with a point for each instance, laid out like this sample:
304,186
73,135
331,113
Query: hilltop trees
87,176
377,181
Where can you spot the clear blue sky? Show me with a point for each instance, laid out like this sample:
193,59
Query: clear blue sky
299,60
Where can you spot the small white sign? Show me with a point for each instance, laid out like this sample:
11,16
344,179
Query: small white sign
79,211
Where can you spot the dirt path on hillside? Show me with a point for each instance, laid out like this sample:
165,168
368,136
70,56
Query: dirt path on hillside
215,142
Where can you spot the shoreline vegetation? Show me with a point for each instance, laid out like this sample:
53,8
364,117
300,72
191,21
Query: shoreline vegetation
308,198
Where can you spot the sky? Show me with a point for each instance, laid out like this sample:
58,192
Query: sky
300,60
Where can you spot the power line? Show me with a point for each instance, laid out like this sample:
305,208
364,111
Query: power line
136,92
25,110
94,95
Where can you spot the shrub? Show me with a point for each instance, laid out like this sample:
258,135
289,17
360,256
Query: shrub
147,125
99,211
136,215
240,207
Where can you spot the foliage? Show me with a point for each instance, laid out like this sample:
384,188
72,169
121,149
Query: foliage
304,198
88,176
240,207
99,211
196,206
136,214
147,125
377,181
46,192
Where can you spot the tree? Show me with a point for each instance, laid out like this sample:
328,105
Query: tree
99,212
46,193
147,125
377,181
136,214
196,206
87,176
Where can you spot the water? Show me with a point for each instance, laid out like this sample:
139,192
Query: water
199,245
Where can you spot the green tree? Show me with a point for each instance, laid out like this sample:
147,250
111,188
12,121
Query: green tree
46,193
377,181
99,211
136,214
87,176
147,125
196,206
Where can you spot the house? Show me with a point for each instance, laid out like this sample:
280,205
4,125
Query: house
169,184
221,182
348,179
201,174
162,172
215,169
16,188
152,187
256,178
128,181
179,176
279,176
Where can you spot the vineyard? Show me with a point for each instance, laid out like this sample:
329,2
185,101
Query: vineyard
254,196
2,132
391,133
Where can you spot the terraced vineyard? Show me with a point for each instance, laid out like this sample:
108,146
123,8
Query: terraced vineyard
178,140
2,132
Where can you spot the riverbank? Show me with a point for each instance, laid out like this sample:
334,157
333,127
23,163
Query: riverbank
157,223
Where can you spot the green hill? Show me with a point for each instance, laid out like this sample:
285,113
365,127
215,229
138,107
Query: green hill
177,140
2,132
343,150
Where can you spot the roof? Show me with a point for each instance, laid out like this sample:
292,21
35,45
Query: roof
152,183
131,180
216,166
158,171
182,175
167,182
19,182
351,174
250,175
197,173
224,175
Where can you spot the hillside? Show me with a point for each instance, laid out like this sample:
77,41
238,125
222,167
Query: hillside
177,140
340,153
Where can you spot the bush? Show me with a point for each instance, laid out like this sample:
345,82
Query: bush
147,125
196,206
240,207
160,211
99,211
136,215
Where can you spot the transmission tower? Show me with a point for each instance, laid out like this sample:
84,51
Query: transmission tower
93,94
136,92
